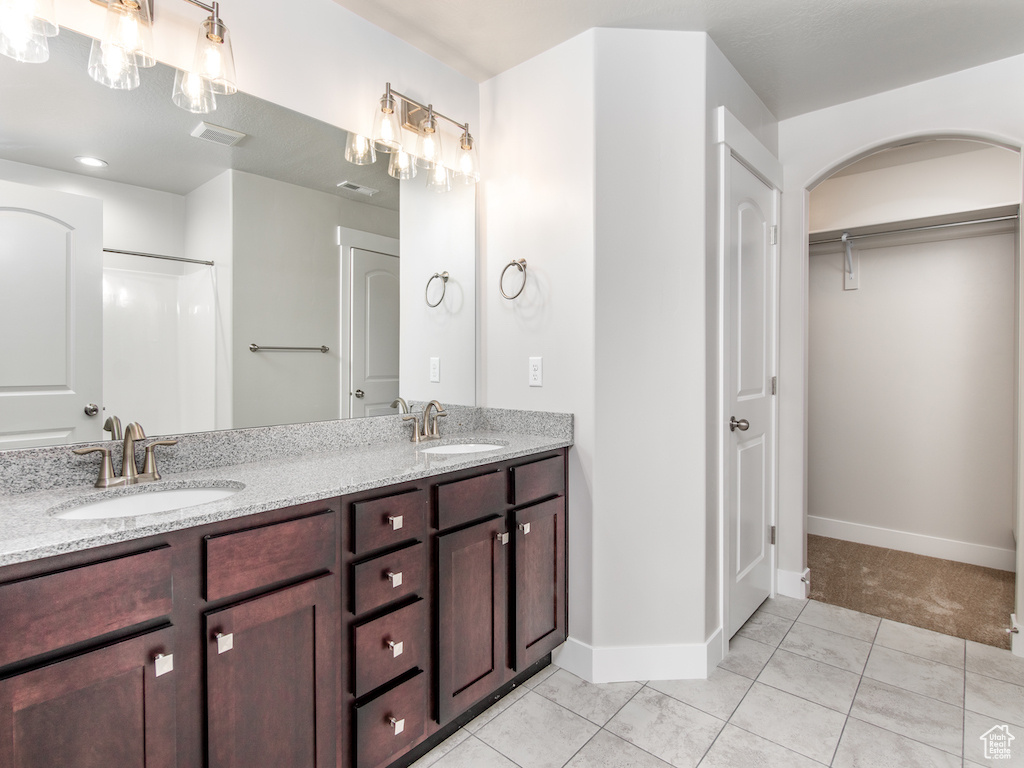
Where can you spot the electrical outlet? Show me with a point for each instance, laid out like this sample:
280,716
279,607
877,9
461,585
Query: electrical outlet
435,370
536,371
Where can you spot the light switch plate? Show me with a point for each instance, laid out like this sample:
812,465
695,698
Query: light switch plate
435,370
536,371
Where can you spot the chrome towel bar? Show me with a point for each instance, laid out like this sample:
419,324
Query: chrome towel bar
258,348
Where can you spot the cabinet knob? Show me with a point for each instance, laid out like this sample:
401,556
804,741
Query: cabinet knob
396,522
395,579
502,538
164,663
225,642
525,528
396,648
398,725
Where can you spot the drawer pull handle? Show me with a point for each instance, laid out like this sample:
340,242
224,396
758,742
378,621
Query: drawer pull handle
398,725
396,522
225,642
395,579
525,528
396,648
164,663
502,538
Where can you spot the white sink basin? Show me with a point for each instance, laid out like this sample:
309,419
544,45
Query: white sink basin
147,502
462,448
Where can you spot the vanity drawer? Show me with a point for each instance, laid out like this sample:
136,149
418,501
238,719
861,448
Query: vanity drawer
375,660
377,737
388,521
388,578
538,479
245,560
48,612
466,500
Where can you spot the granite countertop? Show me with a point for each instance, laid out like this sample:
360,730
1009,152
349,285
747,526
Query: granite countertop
30,531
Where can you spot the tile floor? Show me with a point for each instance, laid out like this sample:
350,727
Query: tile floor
804,684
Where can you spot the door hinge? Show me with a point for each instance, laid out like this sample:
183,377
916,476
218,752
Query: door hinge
772,534
773,234
775,385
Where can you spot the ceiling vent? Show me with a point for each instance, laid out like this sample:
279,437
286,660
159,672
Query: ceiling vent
351,186
218,135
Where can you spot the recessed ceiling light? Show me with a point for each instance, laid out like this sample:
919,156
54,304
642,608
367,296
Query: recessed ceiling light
92,162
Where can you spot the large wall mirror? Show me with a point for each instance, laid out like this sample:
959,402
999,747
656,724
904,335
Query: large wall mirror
276,241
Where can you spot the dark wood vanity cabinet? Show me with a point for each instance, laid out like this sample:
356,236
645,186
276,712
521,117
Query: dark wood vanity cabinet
345,633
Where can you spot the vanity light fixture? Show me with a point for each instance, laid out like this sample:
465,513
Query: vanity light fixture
25,26
359,150
387,137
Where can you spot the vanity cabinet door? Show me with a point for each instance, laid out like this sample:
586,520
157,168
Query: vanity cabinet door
539,591
114,706
270,680
472,619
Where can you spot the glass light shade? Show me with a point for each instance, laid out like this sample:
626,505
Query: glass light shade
214,60
359,150
387,128
428,144
467,169
128,26
439,179
401,165
113,67
24,27
193,93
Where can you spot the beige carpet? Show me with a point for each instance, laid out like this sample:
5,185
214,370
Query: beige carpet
953,598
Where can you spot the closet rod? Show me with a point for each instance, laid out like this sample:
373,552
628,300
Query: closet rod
1010,217
159,256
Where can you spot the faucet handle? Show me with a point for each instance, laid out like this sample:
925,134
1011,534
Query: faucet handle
415,419
106,477
149,468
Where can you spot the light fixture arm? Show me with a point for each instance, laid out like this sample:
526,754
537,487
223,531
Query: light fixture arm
214,9
429,108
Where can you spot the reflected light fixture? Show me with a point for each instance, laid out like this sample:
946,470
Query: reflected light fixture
214,59
92,162
401,166
193,93
428,154
25,26
126,45
359,150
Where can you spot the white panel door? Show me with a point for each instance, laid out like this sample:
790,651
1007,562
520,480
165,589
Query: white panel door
51,317
374,333
749,367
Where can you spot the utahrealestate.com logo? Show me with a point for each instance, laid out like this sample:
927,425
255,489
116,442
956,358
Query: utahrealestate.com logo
997,742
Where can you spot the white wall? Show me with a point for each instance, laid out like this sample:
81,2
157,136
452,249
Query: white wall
285,293
980,102
134,218
438,235
911,384
987,178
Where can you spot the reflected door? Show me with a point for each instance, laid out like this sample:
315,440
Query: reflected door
51,317
750,427
374,333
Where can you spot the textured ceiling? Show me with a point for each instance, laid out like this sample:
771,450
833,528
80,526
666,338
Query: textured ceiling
54,112
798,55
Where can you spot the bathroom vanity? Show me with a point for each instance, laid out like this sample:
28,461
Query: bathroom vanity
357,629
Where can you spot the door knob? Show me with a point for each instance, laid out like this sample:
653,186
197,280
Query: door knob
92,409
359,393
741,424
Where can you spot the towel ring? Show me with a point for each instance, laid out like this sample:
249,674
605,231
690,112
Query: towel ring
443,277
519,264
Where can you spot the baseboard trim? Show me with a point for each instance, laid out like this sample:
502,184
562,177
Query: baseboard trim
793,583
684,661
917,543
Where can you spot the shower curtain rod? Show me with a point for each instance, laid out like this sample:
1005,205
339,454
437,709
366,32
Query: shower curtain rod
159,256
1009,217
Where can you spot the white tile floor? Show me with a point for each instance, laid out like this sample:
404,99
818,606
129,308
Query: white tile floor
805,684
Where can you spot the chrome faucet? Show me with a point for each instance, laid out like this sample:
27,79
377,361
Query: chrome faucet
403,407
113,426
